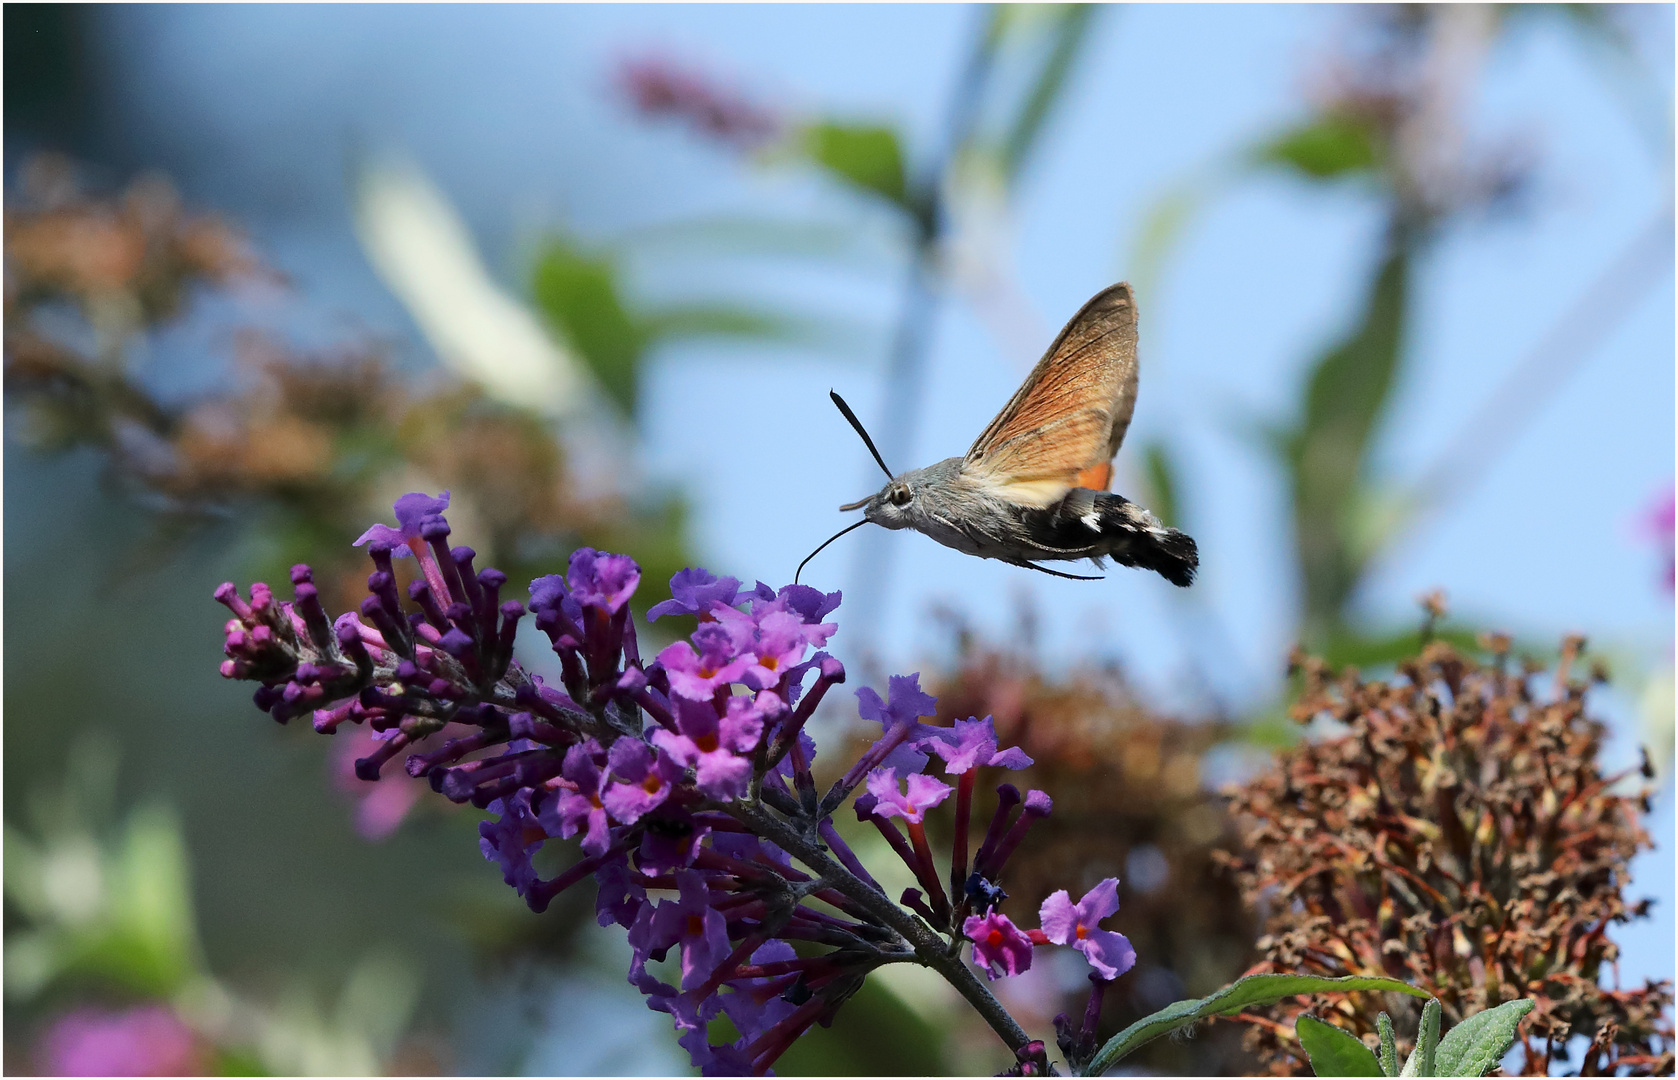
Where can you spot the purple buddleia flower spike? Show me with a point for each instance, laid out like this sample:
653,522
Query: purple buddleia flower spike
686,782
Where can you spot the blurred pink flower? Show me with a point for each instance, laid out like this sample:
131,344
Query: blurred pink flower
145,1041
1657,525
381,806
659,87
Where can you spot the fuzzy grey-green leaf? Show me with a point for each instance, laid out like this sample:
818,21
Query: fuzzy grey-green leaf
1334,1052
1422,1058
1480,1041
1389,1045
1241,994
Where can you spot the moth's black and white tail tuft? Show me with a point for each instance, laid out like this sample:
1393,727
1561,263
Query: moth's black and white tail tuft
1168,552
1136,538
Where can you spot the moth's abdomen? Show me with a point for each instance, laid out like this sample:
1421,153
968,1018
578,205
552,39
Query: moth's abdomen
1111,525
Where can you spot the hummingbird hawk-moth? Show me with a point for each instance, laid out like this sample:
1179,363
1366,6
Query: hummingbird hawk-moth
1033,487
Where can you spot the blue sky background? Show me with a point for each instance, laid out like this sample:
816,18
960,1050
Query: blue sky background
255,110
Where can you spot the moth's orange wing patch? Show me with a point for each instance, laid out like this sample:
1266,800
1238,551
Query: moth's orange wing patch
1096,477
1067,420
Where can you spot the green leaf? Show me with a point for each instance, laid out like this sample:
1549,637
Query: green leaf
578,294
1241,994
1327,451
867,156
1162,226
1422,1058
1334,1052
1480,1041
1070,27
1328,147
721,320
1389,1045
1162,483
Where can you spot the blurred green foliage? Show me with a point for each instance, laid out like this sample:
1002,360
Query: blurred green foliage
1327,147
866,156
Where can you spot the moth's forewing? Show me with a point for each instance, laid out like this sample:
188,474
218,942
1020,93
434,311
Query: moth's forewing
1067,420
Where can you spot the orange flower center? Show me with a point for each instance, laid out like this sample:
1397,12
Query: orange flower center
1083,931
652,783
706,743
995,938
594,801
769,662
696,925
707,672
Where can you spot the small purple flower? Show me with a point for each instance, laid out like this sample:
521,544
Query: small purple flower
619,898
602,580
971,743
809,604
923,794
510,839
583,809
779,640
671,841
906,703
999,946
696,591
697,674
549,591
1066,923
753,1004
411,511
713,747
643,780
691,922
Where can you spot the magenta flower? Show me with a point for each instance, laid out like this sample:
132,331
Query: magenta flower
778,644
772,638
999,946
697,674
660,87
696,591
971,743
643,780
1066,923
1658,526
922,795
145,1041
717,749
582,810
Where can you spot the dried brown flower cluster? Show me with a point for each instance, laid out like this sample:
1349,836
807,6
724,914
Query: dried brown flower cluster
1460,835
84,278
328,437
1129,803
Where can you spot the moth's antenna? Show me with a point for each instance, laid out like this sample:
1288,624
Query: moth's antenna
829,540
851,416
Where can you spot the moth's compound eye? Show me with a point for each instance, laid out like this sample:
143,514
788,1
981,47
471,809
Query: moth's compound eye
898,496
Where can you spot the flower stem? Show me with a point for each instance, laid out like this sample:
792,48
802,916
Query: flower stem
930,949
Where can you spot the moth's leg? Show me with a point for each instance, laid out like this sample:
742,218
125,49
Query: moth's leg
1054,573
